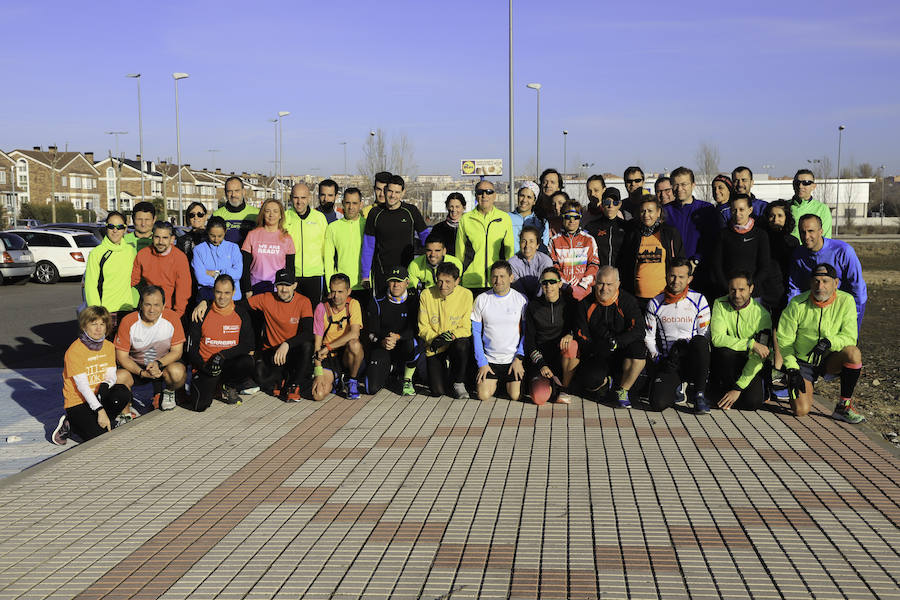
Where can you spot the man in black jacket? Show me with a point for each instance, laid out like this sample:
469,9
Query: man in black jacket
608,227
392,325
609,328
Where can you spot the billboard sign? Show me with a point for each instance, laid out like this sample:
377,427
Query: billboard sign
481,166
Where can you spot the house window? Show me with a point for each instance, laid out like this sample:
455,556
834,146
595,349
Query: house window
76,182
110,183
76,203
2,176
111,204
22,172
155,187
62,181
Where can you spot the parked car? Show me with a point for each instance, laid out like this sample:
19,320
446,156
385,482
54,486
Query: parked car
58,252
27,223
16,261
98,229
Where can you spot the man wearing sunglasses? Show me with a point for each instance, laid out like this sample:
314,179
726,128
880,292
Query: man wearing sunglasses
574,252
634,185
107,276
608,227
804,204
484,235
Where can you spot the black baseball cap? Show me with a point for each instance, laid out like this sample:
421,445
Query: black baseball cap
825,269
398,274
285,277
611,193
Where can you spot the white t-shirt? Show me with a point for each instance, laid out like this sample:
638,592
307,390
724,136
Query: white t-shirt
500,318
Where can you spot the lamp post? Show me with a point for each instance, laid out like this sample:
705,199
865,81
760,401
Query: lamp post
344,144
212,153
281,114
176,77
137,78
881,210
837,216
512,172
274,123
565,148
537,87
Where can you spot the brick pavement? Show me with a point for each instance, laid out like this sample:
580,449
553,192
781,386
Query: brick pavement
438,498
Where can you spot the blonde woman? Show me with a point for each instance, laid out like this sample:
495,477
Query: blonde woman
267,249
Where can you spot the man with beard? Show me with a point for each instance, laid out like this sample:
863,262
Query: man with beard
634,185
164,265
328,191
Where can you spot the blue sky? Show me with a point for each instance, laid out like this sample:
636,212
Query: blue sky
766,82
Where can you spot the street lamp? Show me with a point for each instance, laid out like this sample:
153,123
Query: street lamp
837,216
274,123
344,144
512,171
137,78
565,148
212,153
176,77
537,86
281,114
881,210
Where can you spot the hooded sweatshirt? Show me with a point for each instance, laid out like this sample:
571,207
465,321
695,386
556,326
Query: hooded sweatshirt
110,286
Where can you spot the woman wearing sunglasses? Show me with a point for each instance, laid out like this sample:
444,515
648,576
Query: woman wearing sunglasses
550,350
107,276
196,235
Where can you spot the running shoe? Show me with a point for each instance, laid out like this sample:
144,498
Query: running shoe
248,388
844,411
125,417
460,392
168,400
680,395
292,393
408,388
622,400
352,389
700,405
230,395
61,433
563,398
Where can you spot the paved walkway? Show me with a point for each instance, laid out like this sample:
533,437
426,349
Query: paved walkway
426,498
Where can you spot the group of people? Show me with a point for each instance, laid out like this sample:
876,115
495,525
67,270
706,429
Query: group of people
708,303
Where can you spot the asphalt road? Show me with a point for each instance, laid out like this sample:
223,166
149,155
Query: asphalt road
37,323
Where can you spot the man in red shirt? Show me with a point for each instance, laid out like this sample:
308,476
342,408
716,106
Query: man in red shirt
164,265
285,361
220,344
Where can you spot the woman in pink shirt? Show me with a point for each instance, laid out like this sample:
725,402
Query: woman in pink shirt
266,249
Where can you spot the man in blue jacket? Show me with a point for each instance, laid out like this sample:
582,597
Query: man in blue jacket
697,222
816,249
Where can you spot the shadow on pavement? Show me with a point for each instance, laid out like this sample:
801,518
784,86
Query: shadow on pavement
55,339
44,404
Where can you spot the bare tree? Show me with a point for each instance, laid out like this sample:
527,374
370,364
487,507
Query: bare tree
400,159
707,158
823,170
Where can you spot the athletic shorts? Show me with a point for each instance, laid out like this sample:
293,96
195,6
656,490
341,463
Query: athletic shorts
334,362
811,373
502,373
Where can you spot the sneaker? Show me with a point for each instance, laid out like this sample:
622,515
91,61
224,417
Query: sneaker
408,388
168,400
248,388
563,398
230,395
352,389
700,405
680,396
622,400
125,417
844,411
460,392
292,393
777,377
61,433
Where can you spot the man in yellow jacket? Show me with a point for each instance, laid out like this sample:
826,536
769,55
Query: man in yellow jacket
307,228
445,326
485,235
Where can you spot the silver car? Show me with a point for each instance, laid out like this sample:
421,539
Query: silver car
16,260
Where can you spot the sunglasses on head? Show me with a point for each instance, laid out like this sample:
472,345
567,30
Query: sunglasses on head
545,282
194,215
805,182
638,180
484,192
111,227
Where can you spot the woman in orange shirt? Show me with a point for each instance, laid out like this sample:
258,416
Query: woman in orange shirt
92,392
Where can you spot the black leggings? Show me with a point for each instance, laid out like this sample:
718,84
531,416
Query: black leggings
381,361
727,365
313,288
687,361
457,352
296,368
203,386
83,420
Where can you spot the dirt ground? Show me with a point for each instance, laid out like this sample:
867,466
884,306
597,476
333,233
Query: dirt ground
878,393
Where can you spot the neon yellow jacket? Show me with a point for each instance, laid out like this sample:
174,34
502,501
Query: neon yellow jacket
437,315
309,241
734,329
343,246
421,272
117,293
481,240
803,324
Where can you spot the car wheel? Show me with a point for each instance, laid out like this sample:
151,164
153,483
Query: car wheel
46,272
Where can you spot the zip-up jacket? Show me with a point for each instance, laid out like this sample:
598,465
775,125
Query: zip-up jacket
610,235
518,222
735,328
385,315
810,206
343,244
803,324
169,271
224,258
747,251
597,324
480,241
839,255
437,315
421,274
668,323
390,238
109,285
547,321
137,243
308,233
575,255
697,222
240,220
